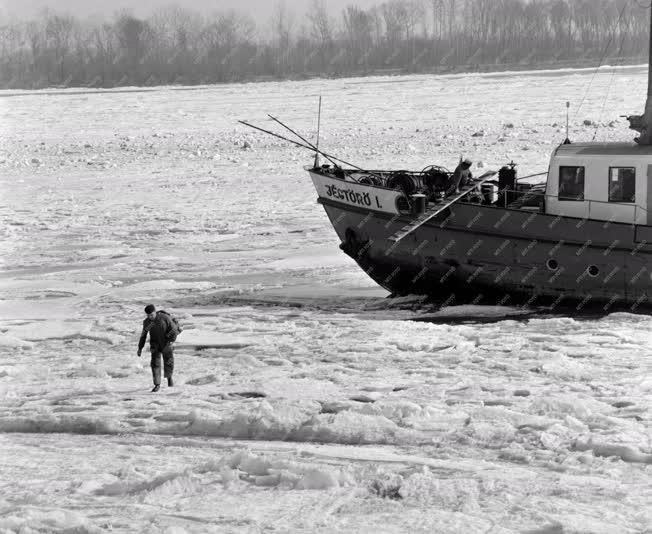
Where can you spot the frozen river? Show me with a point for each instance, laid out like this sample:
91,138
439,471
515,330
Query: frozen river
305,401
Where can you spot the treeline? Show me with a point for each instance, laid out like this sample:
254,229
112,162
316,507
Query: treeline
181,46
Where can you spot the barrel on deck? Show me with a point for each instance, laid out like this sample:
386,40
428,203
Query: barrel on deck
418,204
489,193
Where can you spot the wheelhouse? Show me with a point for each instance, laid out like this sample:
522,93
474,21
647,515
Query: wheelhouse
601,181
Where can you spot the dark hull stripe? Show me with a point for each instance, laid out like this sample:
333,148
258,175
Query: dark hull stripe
402,219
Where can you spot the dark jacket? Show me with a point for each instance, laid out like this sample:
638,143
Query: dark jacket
161,331
461,176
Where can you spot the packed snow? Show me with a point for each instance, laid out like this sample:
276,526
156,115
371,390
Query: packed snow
305,399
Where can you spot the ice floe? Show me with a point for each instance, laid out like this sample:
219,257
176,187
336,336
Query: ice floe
305,400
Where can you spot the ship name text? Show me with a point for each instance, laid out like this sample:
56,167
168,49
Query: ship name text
362,199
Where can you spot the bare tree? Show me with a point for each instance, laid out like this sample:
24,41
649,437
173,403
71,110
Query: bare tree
321,23
283,22
58,32
180,45
223,45
132,34
321,27
104,52
358,27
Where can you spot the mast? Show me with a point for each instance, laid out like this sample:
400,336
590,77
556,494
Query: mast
643,123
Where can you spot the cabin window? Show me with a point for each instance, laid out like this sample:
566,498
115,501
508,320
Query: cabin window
571,183
622,184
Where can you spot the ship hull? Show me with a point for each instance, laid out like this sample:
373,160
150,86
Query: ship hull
490,255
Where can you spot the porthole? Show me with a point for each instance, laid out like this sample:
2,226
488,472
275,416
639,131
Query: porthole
593,271
553,265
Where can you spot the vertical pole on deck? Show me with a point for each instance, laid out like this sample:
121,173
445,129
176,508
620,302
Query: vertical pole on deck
643,123
646,138
649,61
318,128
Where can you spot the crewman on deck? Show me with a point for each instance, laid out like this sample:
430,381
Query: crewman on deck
461,176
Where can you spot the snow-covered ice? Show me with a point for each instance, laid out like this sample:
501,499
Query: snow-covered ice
305,401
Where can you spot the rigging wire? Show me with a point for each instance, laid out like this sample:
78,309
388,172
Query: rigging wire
604,55
611,81
311,147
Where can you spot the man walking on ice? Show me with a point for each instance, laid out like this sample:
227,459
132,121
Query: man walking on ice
163,330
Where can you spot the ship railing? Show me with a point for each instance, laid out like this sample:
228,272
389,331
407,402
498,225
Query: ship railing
519,199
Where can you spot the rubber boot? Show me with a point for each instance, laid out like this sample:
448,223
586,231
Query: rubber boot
170,382
156,388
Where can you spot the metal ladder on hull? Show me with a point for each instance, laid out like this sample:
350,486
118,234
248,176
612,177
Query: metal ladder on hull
437,209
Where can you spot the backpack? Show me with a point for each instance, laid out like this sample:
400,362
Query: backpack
176,329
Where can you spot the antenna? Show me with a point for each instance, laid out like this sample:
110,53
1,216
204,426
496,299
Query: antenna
567,140
318,127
